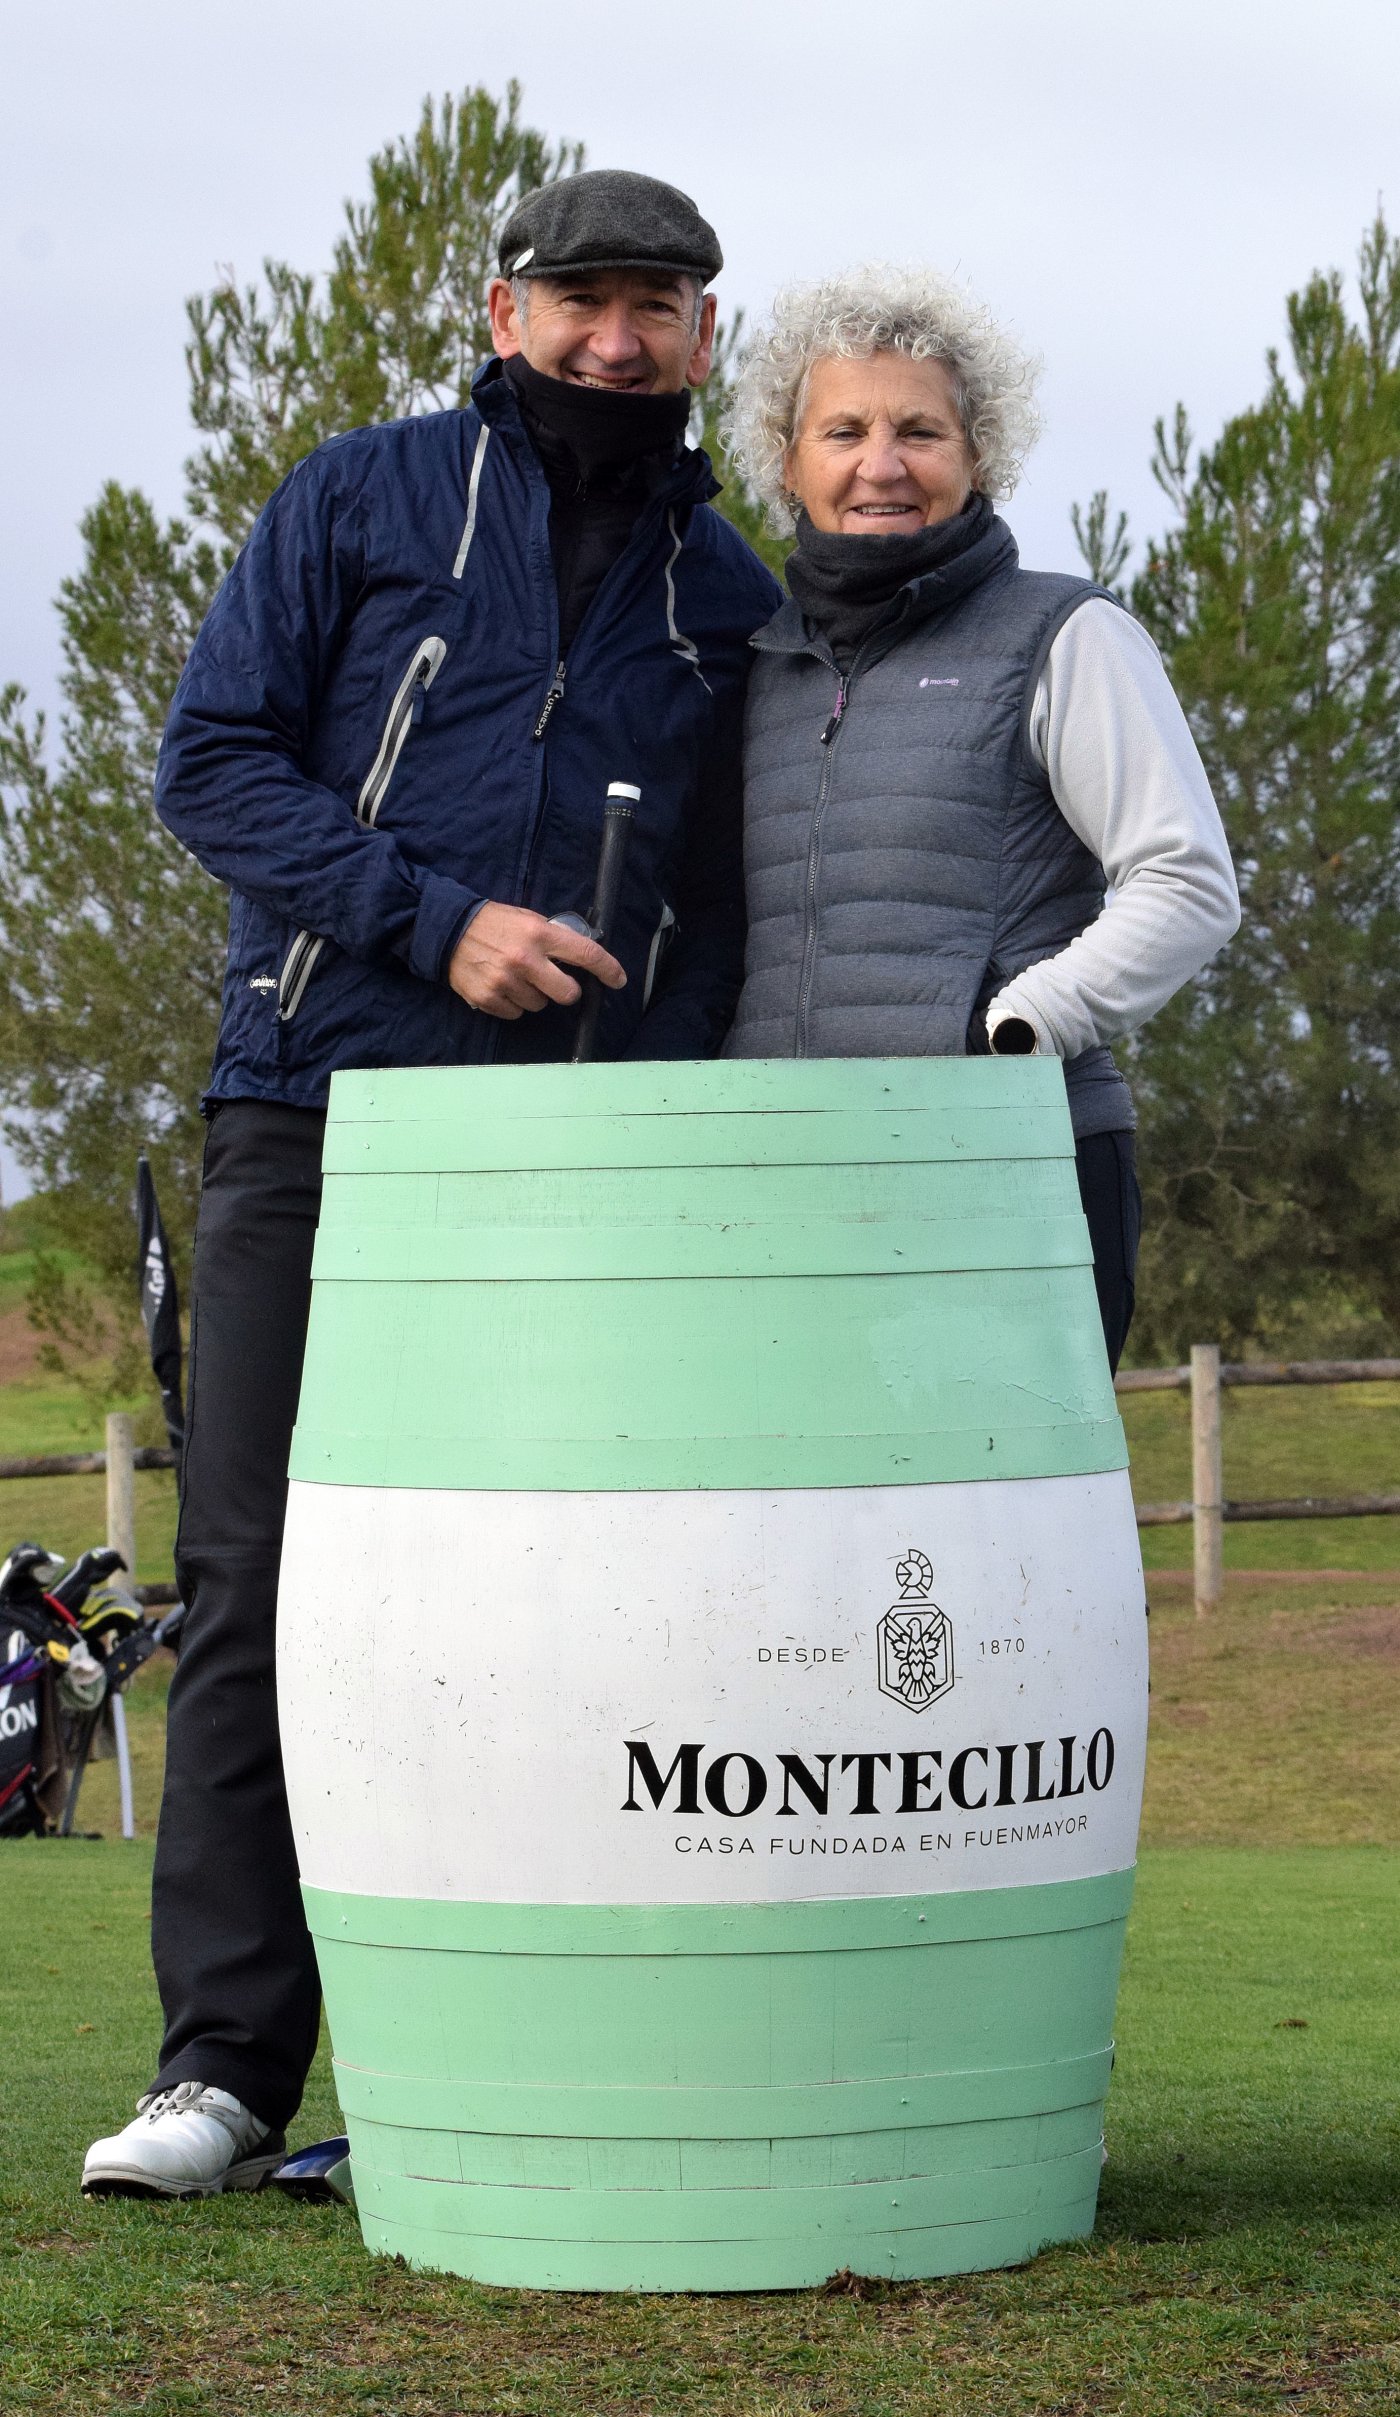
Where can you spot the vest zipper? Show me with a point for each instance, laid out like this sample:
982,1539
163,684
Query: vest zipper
405,713
845,682
809,940
835,722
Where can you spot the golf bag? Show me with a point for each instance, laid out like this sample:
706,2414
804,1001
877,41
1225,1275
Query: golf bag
31,1794
71,1640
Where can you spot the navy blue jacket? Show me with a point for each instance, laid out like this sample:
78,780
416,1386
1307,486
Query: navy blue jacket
372,736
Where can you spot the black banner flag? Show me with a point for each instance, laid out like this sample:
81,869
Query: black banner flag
160,1305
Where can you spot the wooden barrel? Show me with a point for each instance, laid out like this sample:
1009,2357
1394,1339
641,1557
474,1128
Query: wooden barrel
713,1669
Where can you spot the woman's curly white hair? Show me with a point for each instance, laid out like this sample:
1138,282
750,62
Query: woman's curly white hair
882,309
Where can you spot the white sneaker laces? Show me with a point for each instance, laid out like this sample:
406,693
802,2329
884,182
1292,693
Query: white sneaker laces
191,2097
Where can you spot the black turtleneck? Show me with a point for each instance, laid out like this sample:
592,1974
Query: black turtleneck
849,586
604,455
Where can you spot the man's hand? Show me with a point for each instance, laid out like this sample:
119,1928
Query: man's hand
510,962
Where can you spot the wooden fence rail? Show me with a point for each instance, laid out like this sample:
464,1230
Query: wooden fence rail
1208,1513
1262,1372
83,1464
1288,1506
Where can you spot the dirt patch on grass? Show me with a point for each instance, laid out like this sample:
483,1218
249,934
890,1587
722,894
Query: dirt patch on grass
19,1346
1375,1631
1183,1716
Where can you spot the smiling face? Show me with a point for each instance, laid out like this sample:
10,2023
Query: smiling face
881,449
629,331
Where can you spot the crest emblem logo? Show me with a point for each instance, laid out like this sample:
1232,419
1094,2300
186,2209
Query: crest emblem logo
914,1641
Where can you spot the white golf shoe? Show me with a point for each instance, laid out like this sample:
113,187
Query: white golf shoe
185,2143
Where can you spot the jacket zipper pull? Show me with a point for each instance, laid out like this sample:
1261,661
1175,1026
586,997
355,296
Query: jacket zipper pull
420,698
835,722
553,693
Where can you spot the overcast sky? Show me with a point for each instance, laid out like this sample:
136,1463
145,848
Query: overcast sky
1136,189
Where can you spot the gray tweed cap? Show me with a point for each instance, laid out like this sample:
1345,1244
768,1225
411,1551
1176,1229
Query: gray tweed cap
608,218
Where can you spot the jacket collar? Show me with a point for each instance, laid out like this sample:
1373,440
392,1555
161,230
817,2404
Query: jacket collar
691,481
790,633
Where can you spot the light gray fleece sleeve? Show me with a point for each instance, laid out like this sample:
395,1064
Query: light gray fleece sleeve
1124,771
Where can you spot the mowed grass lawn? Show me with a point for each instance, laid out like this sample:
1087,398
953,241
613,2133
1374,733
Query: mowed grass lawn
1247,2256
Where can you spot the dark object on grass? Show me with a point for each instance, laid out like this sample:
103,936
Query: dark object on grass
844,2285
318,2173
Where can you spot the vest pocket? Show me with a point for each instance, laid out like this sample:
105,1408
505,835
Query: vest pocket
404,715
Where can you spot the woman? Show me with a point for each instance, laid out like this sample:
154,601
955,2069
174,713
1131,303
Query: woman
950,761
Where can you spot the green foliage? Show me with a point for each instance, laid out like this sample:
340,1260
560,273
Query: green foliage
1271,1111
1105,550
734,499
111,937
399,326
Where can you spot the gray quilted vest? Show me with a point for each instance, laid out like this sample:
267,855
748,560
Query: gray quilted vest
904,856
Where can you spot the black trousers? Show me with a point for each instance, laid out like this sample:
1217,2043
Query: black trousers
233,1957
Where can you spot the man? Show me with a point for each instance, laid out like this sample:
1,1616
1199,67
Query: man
443,641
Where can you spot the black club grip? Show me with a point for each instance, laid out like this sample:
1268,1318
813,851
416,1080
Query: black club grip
618,816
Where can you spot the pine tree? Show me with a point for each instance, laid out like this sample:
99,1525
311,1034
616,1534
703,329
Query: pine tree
399,326
734,499
1268,1092
111,937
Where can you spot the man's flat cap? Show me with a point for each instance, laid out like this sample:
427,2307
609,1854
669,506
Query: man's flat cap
608,218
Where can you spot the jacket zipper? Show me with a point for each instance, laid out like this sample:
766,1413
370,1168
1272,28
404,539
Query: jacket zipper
404,715
809,938
650,519
296,973
552,695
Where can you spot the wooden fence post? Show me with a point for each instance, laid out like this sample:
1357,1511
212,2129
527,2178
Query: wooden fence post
121,1489
1207,1476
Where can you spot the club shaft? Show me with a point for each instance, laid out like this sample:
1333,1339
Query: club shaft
607,886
